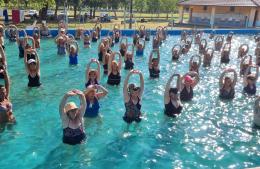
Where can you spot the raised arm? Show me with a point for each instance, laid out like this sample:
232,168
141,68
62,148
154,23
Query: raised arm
7,83
3,55
87,70
221,79
245,76
119,61
158,56
257,101
141,83
235,77
33,41
167,89
150,60
62,104
257,72
98,69
25,61
103,92
199,60
197,78
83,103
110,59
37,63
125,91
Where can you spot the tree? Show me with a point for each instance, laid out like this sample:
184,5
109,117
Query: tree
75,4
168,6
140,5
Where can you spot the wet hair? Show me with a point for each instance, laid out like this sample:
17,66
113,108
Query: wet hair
132,87
251,77
1,86
154,59
174,90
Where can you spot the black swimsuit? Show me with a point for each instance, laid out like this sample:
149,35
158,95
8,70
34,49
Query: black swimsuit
34,81
129,65
134,110
122,52
154,73
224,94
100,56
171,110
73,136
250,90
185,95
114,79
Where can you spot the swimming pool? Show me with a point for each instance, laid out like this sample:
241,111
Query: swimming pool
209,132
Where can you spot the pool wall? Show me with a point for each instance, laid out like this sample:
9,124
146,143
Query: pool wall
126,32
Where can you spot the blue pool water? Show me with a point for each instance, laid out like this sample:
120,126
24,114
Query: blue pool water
209,133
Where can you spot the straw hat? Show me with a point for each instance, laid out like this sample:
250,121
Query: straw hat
70,106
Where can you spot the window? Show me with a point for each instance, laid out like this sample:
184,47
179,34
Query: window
232,9
205,8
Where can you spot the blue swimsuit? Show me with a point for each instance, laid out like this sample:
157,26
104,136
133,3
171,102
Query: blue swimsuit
92,110
73,59
140,52
61,50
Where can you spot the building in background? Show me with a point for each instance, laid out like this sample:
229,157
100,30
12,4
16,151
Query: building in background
221,13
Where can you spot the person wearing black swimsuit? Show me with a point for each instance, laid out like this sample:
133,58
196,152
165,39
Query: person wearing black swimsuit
227,85
133,98
129,58
72,118
114,69
173,106
187,85
32,67
154,68
249,80
92,75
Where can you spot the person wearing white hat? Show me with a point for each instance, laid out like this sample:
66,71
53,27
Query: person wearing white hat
72,118
32,66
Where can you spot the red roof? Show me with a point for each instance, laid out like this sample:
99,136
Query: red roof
252,3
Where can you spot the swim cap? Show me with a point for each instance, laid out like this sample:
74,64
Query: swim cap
188,79
70,106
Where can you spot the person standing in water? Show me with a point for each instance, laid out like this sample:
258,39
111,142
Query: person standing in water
92,75
114,69
72,118
6,112
92,99
249,80
227,85
132,98
154,64
32,67
187,85
173,106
